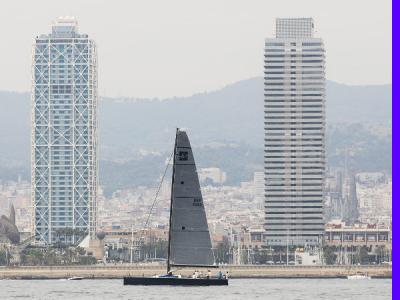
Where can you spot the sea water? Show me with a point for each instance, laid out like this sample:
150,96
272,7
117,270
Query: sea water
270,289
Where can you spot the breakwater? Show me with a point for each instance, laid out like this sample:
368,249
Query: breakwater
235,271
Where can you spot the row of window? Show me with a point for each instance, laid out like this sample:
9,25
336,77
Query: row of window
292,128
280,44
294,156
295,213
294,106
292,229
299,133
269,64
304,175
299,94
321,89
318,71
293,55
295,218
296,78
285,115
293,151
294,168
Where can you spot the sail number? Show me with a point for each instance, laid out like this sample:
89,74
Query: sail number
197,202
183,155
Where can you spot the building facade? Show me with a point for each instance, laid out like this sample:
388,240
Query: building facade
64,134
294,127
216,175
258,182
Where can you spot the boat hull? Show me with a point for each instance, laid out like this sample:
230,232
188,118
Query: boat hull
174,281
75,278
358,277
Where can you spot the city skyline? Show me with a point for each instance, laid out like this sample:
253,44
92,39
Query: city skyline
235,32
293,30
293,177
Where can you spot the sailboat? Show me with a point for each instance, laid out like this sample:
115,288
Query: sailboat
189,242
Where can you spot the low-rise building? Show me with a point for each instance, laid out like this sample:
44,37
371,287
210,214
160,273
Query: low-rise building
337,233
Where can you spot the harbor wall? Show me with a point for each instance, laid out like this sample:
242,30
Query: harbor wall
242,271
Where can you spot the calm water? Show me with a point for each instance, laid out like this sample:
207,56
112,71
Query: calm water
287,289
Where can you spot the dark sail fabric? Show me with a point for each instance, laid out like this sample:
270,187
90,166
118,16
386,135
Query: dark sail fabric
190,242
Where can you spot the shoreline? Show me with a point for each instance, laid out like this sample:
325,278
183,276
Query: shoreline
231,278
235,272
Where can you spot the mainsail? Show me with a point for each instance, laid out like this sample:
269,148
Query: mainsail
189,238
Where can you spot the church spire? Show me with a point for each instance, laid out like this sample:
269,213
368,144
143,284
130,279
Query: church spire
12,214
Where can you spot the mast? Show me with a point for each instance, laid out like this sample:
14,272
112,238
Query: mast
131,245
170,208
287,247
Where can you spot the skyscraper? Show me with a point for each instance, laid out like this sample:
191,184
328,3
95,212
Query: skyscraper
294,126
64,134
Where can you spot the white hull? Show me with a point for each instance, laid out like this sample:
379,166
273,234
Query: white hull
75,278
358,277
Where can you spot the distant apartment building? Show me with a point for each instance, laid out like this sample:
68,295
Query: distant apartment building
374,191
215,175
258,181
294,126
64,134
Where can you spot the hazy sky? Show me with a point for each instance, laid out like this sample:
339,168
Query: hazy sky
179,47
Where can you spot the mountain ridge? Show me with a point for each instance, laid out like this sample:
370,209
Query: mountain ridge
231,114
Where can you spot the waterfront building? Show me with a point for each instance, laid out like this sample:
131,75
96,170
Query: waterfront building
64,134
347,242
338,233
294,126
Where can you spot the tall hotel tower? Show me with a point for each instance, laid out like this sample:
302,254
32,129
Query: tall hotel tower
294,124
64,134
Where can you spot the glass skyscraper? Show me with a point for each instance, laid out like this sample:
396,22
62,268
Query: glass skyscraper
294,127
64,134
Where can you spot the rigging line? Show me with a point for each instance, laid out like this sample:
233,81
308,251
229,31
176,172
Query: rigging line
154,203
158,191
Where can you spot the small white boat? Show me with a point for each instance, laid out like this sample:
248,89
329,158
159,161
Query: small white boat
75,278
358,277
